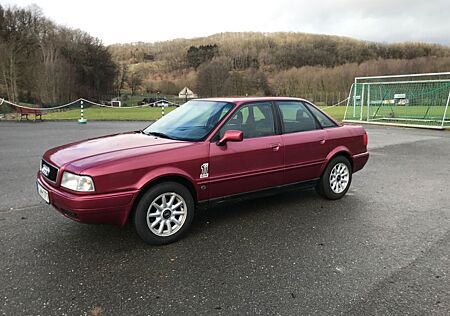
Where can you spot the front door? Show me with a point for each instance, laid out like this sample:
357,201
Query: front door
252,164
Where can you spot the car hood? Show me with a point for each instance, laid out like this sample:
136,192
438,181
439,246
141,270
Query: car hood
109,148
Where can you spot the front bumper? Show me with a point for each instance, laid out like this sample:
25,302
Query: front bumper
111,208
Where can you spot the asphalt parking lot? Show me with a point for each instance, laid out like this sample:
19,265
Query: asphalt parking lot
384,249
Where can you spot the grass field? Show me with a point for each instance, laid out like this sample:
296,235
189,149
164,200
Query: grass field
138,114
336,112
110,114
154,113
426,115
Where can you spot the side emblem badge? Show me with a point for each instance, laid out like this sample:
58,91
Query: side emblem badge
204,172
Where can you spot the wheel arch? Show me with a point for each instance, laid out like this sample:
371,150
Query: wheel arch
338,151
178,178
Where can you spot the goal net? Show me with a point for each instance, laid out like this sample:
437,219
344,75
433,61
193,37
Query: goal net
418,100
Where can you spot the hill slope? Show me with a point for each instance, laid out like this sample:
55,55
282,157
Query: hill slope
276,60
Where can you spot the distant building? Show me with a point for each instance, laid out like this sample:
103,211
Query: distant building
187,93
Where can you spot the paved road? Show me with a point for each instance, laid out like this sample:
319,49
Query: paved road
383,249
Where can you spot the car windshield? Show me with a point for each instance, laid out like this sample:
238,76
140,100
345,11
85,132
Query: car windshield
192,121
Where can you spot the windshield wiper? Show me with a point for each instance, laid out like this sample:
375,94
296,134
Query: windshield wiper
159,134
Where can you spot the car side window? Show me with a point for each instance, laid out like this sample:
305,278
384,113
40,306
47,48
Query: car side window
254,120
322,118
295,117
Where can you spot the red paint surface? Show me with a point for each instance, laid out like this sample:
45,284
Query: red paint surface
122,165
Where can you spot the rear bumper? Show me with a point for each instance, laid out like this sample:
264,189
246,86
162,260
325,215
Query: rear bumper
359,161
111,208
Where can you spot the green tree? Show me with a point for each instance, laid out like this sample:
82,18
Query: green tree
199,55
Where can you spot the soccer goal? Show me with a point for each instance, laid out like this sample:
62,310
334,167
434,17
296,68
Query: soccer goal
417,100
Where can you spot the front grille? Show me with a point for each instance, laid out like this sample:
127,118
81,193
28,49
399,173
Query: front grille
49,171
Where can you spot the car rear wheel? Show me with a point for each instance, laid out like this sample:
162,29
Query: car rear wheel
164,213
336,179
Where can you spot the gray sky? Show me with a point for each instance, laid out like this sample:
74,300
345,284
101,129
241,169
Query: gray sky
149,21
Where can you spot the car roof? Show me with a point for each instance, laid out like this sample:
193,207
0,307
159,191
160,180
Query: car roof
239,100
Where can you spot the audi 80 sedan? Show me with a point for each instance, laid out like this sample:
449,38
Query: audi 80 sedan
205,151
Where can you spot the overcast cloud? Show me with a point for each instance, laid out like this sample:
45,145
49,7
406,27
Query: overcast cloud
148,21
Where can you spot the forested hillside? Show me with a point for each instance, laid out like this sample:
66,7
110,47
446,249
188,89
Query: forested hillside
315,66
48,64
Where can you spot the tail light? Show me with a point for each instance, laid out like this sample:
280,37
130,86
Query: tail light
365,139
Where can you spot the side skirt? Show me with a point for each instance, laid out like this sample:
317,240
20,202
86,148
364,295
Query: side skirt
258,194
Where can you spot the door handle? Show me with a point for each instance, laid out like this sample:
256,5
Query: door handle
275,147
322,141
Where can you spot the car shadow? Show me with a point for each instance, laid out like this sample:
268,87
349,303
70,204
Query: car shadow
289,209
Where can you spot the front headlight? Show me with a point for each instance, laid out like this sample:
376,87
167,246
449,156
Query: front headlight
77,183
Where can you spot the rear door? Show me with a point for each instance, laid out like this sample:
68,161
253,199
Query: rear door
252,164
305,142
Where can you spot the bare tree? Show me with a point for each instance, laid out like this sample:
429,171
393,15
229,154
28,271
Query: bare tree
211,78
135,80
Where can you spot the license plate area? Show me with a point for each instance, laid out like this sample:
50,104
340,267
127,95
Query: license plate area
43,193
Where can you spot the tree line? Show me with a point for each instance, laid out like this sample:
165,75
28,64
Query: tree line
271,51
318,66
47,64
332,84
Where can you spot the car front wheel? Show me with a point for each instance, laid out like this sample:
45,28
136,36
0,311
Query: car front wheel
336,179
164,213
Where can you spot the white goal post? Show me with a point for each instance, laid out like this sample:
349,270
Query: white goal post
414,100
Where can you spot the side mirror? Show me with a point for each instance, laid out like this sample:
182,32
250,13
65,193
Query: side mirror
231,136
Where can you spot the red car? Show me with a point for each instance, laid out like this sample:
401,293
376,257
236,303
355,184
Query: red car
205,151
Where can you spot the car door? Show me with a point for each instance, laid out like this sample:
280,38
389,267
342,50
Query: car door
305,144
252,164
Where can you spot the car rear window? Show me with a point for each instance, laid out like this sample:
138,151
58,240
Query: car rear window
295,117
324,121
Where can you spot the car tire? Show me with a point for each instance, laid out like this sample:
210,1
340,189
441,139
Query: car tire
164,213
336,179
